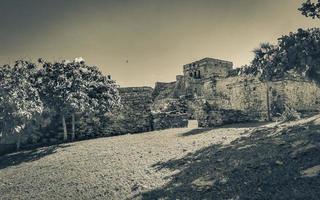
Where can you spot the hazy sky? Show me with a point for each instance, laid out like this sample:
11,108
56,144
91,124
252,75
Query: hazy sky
156,36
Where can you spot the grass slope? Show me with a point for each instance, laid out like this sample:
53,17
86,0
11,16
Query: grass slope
250,161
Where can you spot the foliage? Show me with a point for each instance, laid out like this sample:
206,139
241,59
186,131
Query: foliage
19,99
301,52
267,57
76,87
60,88
298,52
102,91
310,9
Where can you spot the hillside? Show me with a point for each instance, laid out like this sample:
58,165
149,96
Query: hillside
256,161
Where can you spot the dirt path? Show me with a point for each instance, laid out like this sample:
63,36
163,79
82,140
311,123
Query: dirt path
140,166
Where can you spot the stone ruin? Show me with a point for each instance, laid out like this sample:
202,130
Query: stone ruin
139,113
211,92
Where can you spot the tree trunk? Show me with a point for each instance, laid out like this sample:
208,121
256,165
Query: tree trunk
18,144
268,103
73,127
65,133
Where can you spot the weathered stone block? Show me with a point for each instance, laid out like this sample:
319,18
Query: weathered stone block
169,120
221,117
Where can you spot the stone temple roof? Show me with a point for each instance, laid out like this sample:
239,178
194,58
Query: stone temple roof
207,60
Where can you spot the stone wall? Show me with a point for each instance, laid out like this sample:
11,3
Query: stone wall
142,113
301,95
251,96
245,94
246,98
170,105
164,90
222,117
135,115
169,113
165,120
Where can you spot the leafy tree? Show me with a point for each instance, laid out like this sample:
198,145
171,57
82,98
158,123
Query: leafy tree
270,61
61,88
310,9
102,91
103,98
19,99
99,93
299,51
265,60
74,87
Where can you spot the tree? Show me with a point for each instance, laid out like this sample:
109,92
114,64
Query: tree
62,89
19,99
102,91
310,9
299,52
74,87
97,92
103,97
265,59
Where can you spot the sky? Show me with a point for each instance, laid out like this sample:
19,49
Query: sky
140,42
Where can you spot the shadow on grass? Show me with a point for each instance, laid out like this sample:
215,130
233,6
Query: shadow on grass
247,125
14,159
197,131
271,163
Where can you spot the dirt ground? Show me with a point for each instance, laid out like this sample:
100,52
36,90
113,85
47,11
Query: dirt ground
246,161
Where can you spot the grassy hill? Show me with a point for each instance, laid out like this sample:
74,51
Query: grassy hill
247,161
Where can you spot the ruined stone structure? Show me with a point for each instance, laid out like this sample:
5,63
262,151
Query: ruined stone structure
207,68
135,114
138,113
215,97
